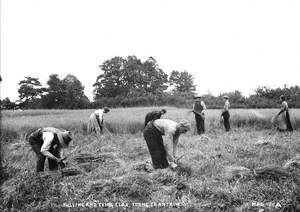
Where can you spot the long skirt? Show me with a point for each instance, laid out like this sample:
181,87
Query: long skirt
282,121
200,125
156,147
94,124
226,122
288,121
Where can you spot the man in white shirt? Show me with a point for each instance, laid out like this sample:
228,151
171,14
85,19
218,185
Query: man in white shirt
159,151
225,113
96,120
48,143
199,110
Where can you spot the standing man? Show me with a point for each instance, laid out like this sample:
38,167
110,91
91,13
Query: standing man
96,120
225,113
159,151
48,143
199,111
151,116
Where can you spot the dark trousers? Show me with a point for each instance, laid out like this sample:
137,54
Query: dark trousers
288,121
226,122
36,147
156,147
200,124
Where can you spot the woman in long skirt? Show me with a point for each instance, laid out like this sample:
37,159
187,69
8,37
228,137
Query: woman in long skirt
283,117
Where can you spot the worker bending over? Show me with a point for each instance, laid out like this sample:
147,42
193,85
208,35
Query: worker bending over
159,151
48,143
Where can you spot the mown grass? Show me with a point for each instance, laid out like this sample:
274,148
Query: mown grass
201,184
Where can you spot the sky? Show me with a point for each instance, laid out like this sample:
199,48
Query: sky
226,45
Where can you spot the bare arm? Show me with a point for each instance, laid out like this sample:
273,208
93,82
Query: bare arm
175,143
48,138
170,155
49,155
204,107
61,153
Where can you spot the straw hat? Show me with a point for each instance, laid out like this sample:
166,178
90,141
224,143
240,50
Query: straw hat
226,97
64,137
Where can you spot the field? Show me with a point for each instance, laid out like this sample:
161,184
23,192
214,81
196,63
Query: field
216,173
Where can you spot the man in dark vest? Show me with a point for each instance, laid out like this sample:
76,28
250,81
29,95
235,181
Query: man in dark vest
151,116
48,143
199,111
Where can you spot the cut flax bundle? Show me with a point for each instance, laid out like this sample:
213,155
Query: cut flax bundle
183,170
236,172
292,163
143,166
71,171
270,172
88,157
267,172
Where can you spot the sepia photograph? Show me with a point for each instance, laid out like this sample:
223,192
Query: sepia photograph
139,105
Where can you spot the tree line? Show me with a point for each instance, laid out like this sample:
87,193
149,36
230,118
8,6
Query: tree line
126,82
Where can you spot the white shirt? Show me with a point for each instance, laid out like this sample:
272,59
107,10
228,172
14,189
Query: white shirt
226,105
166,126
204,106
284,106
99,113
47,138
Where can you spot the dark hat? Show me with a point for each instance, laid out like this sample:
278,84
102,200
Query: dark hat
106,109
197,97
163,110
282,97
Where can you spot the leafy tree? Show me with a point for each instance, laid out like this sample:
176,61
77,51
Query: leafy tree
268,93
183,81
155,80
74,93
6,104
110,82
55,97
30,90
133,76
130,77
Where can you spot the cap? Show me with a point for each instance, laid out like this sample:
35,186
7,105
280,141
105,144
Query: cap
106,109
282,97
163,110
184,124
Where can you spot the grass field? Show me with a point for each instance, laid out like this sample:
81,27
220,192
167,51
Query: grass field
206,179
